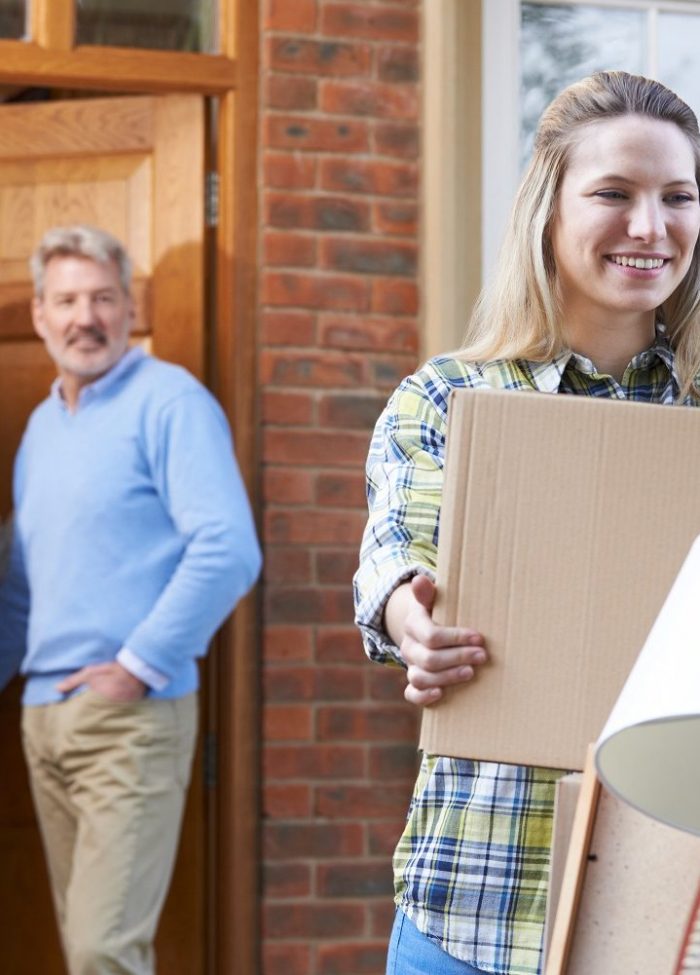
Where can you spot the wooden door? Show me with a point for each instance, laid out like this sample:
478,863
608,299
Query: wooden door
134,166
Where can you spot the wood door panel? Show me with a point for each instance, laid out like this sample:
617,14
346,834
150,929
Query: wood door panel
136,167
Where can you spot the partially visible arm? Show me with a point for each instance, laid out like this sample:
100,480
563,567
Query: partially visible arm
435,656
394,587
201,487
14,607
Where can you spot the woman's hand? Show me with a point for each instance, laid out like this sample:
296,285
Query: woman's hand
436,656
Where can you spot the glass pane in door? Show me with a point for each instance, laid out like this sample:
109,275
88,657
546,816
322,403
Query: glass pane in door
561,44
170,25
679,67
13,16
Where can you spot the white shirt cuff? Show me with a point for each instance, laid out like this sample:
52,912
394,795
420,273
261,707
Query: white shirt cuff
139,668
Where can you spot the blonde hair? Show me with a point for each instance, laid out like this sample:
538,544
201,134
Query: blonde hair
517,316
79,240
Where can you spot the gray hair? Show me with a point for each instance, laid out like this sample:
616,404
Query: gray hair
80,240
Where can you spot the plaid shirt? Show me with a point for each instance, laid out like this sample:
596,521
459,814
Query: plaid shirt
472,866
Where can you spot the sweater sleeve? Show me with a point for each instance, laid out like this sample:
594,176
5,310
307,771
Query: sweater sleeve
198,480
14,605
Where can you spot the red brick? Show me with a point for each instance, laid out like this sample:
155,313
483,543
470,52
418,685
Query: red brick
313,762
291,93
395,218
286,880
383,837
393,762
286,723
391,139
334,645
282,841
368,958
331,213
369,333
383,723
335,449
369,256
290,565
286,170
283,15
310,368
341,490
320,135
398,64
371,177
313,527
323,291
313,684
287,328
319,58
381,921
362,801
336,567
387,684
288,684
312,921
292,959
388,371
290,250
339,684
285,485
287,644
391,297
355,879
369,99
350,411
369,21
287,409
290,800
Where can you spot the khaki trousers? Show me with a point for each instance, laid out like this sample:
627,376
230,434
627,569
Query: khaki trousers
109,782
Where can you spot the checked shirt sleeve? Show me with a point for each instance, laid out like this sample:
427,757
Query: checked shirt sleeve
404,489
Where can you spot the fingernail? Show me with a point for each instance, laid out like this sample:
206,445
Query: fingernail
465,673
479,658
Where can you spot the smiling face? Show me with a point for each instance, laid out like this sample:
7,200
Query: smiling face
84,317
626,222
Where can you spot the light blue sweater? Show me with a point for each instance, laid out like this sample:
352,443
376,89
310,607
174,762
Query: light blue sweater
132,528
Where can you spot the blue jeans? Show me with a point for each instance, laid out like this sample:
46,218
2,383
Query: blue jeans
412,953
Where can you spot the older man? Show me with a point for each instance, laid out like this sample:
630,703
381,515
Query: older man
133,541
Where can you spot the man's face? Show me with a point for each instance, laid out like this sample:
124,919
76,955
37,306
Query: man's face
84,317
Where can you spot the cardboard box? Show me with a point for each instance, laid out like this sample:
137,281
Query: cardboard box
565,520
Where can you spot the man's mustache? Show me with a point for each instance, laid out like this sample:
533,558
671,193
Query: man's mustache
91,332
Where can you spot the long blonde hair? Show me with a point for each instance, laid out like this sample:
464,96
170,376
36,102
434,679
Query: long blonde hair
517,316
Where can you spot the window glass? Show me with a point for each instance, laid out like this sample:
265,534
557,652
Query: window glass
678,46
171,25
13,14
560,44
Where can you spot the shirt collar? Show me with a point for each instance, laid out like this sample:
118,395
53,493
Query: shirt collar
547,376
103,383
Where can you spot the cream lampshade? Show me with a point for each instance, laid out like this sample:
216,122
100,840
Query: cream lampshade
649,751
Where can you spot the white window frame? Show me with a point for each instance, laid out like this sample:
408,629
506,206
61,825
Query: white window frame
501,102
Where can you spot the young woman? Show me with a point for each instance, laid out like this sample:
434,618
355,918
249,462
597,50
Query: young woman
597,294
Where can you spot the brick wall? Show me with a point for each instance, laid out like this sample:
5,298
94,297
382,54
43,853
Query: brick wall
338,330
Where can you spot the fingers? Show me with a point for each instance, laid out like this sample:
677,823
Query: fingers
74,680
423,590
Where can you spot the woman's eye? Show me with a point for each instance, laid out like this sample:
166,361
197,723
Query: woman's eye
611,194
680,198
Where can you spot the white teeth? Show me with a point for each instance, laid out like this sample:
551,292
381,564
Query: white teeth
642,263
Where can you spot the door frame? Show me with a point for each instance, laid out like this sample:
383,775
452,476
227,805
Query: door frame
51,60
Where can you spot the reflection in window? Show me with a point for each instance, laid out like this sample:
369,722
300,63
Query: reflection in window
13,15
678,46
561,44
171,25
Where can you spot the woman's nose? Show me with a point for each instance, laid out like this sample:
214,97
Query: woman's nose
647,221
